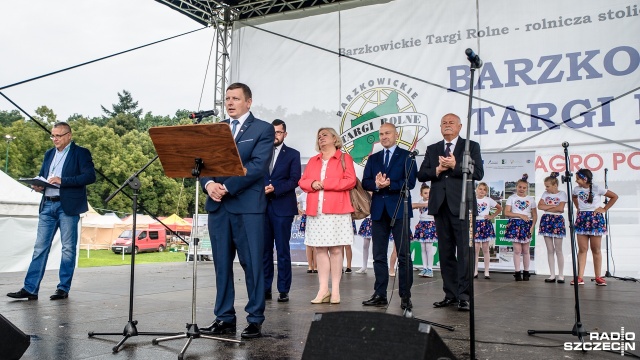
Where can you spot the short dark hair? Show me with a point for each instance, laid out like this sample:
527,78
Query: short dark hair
62,124
277,122
244,87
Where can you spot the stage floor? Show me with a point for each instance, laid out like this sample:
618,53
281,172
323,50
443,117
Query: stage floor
504,311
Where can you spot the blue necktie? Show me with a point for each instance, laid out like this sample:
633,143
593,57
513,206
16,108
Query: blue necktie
447,151
233,129
386,159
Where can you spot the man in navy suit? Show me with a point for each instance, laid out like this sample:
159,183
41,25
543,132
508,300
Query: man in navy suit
385,174
236,207
280,187
70,168
442,166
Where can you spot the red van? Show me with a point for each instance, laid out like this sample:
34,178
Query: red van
146,241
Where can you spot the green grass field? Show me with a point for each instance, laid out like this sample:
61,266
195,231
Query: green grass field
108,258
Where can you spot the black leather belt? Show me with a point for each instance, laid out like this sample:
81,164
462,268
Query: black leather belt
52,198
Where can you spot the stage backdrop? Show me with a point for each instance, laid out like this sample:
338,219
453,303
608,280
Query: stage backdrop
554,71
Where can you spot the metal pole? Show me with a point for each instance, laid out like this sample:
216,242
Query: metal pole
8,139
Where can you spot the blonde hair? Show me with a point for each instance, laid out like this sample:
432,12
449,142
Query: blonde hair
482,183
337,142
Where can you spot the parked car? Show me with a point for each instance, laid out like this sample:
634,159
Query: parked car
146,241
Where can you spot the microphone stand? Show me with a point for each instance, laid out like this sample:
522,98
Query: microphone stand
578,328
130,329
607,274
467,212
404,200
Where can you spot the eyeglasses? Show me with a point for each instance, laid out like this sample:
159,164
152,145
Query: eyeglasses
279,132
58,136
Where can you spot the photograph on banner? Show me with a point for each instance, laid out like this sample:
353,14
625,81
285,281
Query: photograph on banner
502,172
200,231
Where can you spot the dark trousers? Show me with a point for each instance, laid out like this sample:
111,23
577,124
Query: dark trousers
452,241
241,233
277,230
380,231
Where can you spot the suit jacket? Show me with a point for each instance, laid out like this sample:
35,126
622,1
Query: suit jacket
337,183
77,172
246,193
448,185
387,198
284,178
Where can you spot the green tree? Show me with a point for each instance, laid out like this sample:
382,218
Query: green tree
125,105
8,117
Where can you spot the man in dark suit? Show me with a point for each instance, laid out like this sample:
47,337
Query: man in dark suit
236,207
70,168
384,175
442,166
280,187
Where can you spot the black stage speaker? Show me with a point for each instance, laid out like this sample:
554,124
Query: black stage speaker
370,335
13,342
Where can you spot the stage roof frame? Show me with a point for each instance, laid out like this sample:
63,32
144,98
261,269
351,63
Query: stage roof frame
208,12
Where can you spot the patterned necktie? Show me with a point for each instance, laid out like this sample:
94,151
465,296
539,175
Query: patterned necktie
386,159
273,160
447,151
233,129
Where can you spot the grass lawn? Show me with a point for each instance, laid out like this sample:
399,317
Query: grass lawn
108,258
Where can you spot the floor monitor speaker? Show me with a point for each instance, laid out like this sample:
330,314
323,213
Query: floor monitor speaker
13,342
371,335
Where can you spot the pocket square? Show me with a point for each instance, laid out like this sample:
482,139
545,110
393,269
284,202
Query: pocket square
245,141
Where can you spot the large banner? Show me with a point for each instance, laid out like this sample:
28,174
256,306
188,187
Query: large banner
554,71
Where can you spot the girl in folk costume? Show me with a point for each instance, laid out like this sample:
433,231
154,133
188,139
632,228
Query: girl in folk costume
520,209
365,232
425,232
484,226
552,225
590,224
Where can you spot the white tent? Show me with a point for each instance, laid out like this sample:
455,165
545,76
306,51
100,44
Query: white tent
19,223
98,231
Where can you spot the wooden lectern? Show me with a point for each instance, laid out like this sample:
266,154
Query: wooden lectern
179,146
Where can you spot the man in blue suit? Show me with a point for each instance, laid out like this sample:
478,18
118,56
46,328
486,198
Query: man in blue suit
236,207
70,168
280,187
385,174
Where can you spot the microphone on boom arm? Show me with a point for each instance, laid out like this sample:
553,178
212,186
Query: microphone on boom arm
203,114
473,58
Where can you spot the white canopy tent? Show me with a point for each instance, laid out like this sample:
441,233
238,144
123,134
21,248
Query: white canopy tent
19,223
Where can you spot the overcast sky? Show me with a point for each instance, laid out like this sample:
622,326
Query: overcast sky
40,36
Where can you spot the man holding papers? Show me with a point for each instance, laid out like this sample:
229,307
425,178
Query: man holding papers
70,168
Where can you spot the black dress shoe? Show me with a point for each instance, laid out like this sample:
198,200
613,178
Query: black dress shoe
22,294
252,331
444,303
59,295
284,297
219,327
267,295
406,303
375,300
463,305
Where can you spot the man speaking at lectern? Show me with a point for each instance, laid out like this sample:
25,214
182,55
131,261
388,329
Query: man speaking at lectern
236,207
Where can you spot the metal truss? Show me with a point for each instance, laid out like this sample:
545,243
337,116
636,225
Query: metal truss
205,11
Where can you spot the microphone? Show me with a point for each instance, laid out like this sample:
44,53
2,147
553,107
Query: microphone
201,114
605,171
565,144
473,58
414,153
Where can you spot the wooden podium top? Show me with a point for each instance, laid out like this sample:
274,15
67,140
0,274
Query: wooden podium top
179,146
